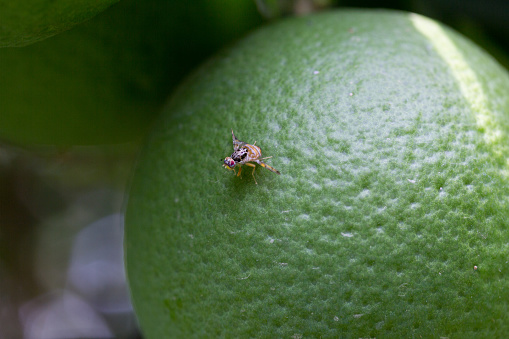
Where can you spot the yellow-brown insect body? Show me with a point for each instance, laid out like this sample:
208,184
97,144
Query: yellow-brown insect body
246,154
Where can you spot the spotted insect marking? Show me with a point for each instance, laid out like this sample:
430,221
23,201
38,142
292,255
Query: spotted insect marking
240,154
246,154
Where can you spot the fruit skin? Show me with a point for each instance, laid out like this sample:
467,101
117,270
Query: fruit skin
394,184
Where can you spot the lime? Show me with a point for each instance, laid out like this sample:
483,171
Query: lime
389,219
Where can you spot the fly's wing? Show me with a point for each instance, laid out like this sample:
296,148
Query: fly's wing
237,144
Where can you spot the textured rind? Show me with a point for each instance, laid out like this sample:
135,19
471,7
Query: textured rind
389,192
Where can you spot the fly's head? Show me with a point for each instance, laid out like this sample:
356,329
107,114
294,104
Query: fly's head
229,163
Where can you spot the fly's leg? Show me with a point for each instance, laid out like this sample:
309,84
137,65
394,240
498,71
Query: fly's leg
238,173
254,168
270,168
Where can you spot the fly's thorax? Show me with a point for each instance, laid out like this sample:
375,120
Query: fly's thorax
246,153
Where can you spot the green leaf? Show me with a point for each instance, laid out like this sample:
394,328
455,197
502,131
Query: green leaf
105,80
28,21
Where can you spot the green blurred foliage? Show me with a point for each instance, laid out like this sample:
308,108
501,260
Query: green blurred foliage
106,79
28,21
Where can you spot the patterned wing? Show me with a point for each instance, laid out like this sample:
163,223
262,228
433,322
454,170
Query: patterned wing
237,144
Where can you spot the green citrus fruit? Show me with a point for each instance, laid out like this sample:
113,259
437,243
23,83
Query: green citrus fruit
389,219
105,80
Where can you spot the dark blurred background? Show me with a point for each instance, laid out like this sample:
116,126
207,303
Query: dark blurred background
61,204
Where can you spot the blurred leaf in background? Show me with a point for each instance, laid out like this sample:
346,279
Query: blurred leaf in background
105,80
25,22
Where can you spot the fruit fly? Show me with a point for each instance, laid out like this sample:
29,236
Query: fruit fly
246,154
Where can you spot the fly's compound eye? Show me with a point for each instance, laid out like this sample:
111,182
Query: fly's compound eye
229,162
